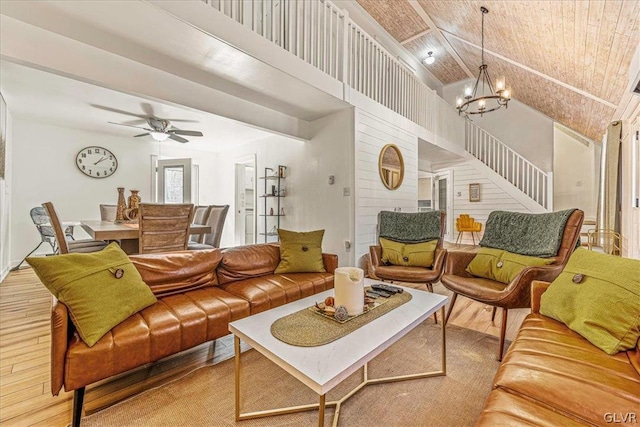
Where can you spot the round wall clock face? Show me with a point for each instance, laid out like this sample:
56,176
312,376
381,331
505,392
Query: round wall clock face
96,162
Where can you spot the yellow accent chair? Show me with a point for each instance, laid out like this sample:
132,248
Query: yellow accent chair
465,223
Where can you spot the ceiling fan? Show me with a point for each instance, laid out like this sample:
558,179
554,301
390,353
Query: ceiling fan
161,130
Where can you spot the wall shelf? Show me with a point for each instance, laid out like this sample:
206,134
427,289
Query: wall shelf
274,191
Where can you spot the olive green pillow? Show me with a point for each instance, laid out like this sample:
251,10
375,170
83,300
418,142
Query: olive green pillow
408,254
300,252
88,284
502,266
597,296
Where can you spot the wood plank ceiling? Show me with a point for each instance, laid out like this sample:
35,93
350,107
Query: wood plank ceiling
567,59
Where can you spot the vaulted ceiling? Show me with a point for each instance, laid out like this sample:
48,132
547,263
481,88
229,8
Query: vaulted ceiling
567,59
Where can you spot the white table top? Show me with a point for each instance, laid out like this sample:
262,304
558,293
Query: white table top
323,367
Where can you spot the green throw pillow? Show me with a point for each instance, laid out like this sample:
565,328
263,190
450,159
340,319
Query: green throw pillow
300,252
502,266
597,296
88,284
408,254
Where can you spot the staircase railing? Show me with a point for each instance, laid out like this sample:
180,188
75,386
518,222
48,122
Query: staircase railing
321,34
520,172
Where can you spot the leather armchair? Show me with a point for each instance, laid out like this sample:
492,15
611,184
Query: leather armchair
399,273
516,294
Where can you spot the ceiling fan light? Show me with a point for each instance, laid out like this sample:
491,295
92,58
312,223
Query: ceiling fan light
430,59
159,136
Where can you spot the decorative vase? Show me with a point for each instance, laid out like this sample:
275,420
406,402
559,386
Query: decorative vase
349,289
122,205
134,199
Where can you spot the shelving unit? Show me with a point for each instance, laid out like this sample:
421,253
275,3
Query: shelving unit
273,193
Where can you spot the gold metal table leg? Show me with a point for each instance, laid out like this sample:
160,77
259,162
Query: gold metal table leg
338,403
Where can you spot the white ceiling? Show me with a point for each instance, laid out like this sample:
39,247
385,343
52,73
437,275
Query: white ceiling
51,98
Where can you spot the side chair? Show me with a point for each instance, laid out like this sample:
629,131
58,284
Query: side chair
70,246
164,227
216,217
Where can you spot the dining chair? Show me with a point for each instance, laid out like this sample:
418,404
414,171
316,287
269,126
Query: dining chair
70,246
215,220
200,215
108,212
164,227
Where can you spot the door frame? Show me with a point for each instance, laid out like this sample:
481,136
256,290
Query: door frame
239,214
446,174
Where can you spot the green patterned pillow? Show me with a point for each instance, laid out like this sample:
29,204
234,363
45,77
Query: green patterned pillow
300,252
597,296
100,289
502,266
408,254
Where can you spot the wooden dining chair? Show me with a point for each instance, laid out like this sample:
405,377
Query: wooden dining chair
164,228
215,220
70,246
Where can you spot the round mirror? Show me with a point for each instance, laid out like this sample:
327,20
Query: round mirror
391,166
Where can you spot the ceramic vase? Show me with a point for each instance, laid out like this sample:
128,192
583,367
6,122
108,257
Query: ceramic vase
134,199
349,289
122,205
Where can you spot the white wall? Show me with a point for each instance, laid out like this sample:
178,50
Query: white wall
5,192
43,163
371,196
525,130
492,198
630,227
574,180
310,202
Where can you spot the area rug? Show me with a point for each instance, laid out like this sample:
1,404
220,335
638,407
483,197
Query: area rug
205,397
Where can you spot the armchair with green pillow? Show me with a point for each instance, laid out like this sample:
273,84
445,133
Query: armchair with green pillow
516,249
409,249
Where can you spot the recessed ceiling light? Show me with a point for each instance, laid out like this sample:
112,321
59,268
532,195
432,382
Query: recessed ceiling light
429,59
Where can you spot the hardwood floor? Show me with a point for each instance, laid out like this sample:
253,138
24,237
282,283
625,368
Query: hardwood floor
25,391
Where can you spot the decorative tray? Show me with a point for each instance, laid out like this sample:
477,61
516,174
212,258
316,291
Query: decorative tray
377,302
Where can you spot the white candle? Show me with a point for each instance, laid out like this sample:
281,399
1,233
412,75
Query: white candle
349,289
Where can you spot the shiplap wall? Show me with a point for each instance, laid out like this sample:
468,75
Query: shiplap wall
371,196
492,197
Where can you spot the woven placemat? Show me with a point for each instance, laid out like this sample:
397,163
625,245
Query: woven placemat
305,328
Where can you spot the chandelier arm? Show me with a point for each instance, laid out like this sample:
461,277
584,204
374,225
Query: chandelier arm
489,82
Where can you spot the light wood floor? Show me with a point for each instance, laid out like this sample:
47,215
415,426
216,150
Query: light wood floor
25,396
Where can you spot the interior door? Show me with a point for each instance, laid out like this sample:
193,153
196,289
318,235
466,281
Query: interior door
443,199
245,202
174,181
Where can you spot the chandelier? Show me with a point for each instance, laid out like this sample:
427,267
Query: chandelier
482,97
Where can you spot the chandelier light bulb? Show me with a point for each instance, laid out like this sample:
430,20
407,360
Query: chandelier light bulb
482,104
507,93
468,91
459,101
500,83
430,59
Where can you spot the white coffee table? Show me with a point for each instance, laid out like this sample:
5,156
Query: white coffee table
323,367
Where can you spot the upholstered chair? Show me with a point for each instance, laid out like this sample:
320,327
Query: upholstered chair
465,223
516,294
433,221
216,216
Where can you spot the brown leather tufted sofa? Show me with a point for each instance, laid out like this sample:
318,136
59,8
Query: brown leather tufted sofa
199,293
551,376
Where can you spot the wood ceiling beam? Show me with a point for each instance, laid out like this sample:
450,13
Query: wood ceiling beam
536,72
417,36
438,33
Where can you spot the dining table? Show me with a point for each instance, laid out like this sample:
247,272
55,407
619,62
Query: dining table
126,233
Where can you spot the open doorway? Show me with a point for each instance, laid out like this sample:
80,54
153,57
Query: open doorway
245,201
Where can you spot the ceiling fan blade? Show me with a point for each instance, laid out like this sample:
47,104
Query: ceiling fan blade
186,132
183,121
142,134
115,110
147,108
129,126
178,138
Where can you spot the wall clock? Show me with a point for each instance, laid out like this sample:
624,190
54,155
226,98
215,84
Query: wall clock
96,162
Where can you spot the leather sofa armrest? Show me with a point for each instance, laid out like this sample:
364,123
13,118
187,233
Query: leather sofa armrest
375,252
330,262
59,341
537,289
438,262
457,263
